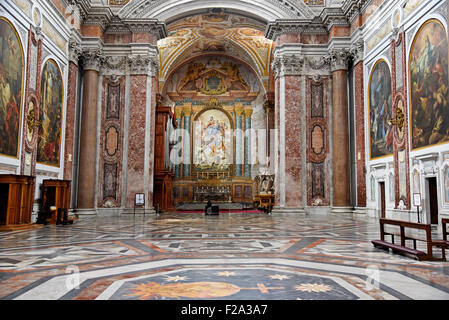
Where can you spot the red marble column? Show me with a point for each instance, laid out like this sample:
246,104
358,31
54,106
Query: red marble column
88,138
70,120
360,134
340,140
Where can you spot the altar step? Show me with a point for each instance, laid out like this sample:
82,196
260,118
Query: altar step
222,211
195,206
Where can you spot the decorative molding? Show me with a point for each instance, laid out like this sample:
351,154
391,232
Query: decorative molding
333,17
75,50
148,65
357,51
296,26
338,59
289,9
93,59
113,65
152,26
97,16
319,63
287,65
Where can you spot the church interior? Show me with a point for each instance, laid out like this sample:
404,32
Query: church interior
234,150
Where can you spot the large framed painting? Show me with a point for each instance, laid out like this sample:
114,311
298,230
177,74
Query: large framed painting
50,115
11,88
212,141
380,111
428,74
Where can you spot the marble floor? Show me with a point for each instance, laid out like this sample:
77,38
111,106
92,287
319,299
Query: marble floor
232,256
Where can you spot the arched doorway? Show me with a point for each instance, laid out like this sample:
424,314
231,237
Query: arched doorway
214,80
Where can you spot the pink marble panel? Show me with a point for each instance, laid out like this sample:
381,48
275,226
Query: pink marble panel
136,147
293,142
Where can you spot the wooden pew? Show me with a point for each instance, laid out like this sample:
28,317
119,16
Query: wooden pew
402,248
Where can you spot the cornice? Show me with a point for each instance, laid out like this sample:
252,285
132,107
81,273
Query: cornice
153,26
280,27
99,16
333,16
83,5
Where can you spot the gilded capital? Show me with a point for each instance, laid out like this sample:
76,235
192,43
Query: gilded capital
248,112
239,109
187,110
178,112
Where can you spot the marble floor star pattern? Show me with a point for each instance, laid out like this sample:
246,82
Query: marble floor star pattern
233,256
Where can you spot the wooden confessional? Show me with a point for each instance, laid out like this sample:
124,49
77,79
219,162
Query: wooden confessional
163,177
16,201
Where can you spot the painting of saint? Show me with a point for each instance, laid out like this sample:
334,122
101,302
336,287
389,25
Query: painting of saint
380,106
11,87
212,145
429,86
50,115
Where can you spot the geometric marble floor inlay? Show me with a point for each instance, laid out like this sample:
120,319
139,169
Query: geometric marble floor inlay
233,256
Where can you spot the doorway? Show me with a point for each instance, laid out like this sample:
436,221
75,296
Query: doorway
433,199
382,199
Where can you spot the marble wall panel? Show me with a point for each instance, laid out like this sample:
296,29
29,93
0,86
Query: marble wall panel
136,147
293,142
317,118
111,142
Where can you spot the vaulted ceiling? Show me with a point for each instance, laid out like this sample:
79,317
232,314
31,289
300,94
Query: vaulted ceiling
215,34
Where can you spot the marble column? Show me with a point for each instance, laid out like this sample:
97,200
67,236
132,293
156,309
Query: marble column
187,112
238,140
247,153
88,135
178,146
340,132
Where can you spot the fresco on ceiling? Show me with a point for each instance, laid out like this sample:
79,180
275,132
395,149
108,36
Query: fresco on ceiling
236,36
429,86
380,111
50,115
212,141
11,80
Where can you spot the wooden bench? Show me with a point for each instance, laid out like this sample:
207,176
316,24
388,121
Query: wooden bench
402,247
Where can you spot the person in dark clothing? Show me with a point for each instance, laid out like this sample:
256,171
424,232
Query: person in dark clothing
208,205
